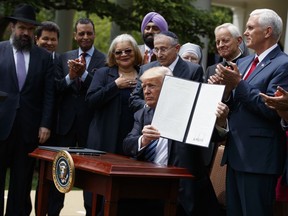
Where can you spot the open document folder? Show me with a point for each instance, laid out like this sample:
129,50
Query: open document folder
186,110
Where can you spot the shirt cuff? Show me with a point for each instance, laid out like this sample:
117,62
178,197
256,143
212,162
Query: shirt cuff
222,131
68,80
139,143
84,75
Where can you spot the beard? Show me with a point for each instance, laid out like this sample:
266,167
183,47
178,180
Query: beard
22,42
149,40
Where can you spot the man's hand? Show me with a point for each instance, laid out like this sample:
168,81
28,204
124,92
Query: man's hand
43,135
279,102
228,77
149,133
222,114
76,68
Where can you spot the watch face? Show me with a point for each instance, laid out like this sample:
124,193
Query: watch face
63,171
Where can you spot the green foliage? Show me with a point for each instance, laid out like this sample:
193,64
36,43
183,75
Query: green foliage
189,23
102,29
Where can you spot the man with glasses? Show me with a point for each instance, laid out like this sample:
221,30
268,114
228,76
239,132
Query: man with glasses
153,23
166,48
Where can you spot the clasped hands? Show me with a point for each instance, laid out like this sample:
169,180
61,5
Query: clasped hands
76,68
227,76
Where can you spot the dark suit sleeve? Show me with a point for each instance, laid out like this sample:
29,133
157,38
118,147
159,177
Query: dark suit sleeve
130,143
198,74
136,101
49,94
60,73
209,72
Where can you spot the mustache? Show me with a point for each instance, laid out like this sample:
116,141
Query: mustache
22,42
148,34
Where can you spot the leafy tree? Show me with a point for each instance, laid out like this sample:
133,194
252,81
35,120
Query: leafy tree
183,18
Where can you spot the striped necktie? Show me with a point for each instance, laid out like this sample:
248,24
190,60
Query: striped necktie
150,151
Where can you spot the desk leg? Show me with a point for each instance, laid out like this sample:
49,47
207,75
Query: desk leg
171,204
43,190
111,198
94,201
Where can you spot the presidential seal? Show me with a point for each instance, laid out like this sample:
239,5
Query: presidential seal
63,171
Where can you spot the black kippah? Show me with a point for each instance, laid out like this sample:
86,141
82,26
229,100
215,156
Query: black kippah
169,34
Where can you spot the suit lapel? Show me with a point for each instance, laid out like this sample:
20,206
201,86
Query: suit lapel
266,61
11,54
93,65
180,68
148,116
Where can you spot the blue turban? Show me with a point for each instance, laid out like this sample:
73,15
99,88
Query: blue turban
157,19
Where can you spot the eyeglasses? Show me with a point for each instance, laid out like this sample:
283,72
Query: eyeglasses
121,52
161,49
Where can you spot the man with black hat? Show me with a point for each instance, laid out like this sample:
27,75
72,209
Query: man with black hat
25,116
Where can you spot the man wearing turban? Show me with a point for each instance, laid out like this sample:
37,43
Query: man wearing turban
152,23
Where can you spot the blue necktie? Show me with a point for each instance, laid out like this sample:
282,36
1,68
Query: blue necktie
150,151
20,69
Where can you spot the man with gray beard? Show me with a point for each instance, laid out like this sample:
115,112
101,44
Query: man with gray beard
26,73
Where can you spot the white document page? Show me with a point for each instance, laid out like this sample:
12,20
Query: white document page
204,117
174,107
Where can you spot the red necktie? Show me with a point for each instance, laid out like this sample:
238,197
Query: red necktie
146,57
252,68
83,60
83,57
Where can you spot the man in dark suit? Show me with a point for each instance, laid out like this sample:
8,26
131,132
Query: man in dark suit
25,116
73,80
196,197
228,42
47,36
74,74
166,48
256,145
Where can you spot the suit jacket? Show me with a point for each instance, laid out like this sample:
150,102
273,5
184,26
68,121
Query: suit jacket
256,142
183,69
194,195
33,105
72,99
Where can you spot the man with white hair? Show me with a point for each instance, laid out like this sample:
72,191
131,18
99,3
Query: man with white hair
256,145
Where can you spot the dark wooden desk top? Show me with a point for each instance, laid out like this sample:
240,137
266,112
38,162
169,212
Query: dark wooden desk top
116,165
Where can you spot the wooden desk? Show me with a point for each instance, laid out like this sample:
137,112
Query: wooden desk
114,177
